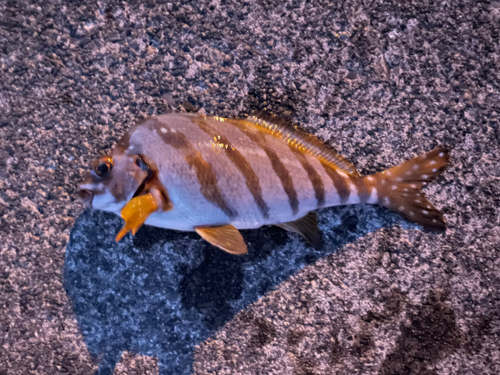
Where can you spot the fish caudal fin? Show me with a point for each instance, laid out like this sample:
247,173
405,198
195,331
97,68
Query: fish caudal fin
399,188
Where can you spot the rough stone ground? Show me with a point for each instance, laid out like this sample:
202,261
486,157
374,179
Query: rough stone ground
381,81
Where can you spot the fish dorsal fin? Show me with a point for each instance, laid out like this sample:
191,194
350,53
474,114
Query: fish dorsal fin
226,237
307,227
272,124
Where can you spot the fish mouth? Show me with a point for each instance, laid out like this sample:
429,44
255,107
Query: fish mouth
88,191
86,197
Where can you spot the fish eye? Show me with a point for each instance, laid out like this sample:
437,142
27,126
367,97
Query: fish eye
142,164
104,166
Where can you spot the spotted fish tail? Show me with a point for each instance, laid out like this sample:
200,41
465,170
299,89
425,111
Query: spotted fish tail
399,188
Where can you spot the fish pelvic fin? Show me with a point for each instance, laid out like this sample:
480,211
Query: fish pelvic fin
225,237
399,188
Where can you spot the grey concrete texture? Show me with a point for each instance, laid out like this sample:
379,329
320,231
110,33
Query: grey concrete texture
380,81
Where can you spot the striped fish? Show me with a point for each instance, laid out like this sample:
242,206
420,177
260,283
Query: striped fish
214,175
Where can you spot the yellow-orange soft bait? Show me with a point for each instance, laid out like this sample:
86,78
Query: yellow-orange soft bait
135,214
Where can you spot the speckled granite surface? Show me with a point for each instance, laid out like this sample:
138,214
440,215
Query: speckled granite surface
380,81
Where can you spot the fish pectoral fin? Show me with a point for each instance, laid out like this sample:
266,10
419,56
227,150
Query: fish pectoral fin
135,214
307,227
226,237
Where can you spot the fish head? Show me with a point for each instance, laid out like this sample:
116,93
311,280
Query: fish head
113,180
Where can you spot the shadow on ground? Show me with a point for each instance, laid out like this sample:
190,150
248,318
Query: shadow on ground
163,292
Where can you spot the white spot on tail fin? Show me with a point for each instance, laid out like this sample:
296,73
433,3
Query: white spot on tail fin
424,176
387,201
441,154
394,187
425,212
401,208
412,213
369,178
434,170
413,186
399,179
163,130
415,167
432,162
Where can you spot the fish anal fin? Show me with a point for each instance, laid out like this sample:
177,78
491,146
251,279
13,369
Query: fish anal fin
307,227
225,237
296,137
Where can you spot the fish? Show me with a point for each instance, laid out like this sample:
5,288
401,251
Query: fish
216,176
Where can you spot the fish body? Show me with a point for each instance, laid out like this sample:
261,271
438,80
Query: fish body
212,172
217,172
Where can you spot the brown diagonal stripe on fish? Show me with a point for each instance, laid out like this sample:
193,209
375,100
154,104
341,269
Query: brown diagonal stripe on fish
316,181
216,176
340,182
252,180
206,176
279,168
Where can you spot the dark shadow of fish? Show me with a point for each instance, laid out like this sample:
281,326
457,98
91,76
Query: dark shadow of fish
163,292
